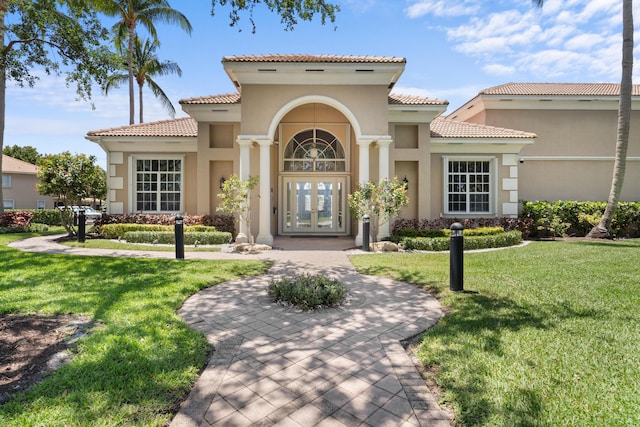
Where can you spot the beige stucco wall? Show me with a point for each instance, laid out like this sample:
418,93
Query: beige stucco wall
261,103
585,142
23,192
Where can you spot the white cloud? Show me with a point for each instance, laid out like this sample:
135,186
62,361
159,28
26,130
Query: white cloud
499,69
442,8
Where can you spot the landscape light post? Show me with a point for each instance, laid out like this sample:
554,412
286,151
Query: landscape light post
82,222
366,227
456,258
179,232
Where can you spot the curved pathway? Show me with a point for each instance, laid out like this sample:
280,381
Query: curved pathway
274,365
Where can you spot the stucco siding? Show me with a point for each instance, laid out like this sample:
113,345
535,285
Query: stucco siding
23,192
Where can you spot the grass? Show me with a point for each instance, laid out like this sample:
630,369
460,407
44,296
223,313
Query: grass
543,335
141,360
112,244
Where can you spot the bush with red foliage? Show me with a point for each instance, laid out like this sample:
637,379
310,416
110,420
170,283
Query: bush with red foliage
16,219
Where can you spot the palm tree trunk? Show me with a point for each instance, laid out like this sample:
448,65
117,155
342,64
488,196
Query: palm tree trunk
132,111
624,119
140,102
3,86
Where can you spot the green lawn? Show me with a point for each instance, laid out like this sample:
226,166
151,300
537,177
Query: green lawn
141,361
545,335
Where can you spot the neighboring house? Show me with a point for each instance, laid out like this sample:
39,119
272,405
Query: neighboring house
576,125
312,127
19,181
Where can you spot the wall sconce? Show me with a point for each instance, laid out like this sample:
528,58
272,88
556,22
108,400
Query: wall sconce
406,182
222,181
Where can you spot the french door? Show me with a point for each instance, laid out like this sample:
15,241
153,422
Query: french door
314,205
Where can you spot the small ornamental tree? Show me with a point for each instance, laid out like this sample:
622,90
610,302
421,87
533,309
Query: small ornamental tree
235,198
380,200
69,178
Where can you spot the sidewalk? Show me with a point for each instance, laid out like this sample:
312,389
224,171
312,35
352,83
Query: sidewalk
273,365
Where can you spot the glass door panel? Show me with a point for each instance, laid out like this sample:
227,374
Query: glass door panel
324,208
303,206
313,205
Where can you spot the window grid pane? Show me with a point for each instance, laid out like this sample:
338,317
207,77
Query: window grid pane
158,185
468,185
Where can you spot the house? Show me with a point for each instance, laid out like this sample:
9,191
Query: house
311,127
576,125
19,181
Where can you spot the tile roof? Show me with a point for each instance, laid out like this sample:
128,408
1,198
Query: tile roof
399,99
560,89
13,165
225,98
316,58
181,127
446,128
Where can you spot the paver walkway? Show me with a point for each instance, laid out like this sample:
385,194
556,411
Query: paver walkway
273,365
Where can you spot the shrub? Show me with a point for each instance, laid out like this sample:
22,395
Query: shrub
168,237
500,240
578,217
33,228
220,222
47,216
308,291
524,225
16,218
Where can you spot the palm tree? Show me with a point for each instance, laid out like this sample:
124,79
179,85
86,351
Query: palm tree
143,12
624,121
146,65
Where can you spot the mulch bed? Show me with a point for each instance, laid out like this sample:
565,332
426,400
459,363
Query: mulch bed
32,346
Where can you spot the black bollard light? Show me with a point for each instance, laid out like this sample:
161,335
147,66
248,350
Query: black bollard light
366,227
456,259
82,224
179,231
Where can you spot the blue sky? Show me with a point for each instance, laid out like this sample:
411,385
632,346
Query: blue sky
454,49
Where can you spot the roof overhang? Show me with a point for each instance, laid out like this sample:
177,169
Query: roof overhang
415,113
316,73
479,145
213,112
146,144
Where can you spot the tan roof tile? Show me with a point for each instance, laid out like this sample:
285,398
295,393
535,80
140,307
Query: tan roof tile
446,128
182,127
560,89
315,58
399,99
13,165
226,98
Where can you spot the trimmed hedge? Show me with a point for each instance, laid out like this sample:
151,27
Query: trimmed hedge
32,228
576,218
501,240
446,232
168,237
220,222
113,231
524,225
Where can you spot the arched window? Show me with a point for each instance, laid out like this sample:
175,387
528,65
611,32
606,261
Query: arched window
314,150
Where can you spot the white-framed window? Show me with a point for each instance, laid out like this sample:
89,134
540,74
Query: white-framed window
41,204
6,181
9,204
469,185
157,183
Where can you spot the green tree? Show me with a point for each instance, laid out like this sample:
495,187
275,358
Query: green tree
290,11
27,153
55,36
602,229
381,201
71,179
145,13
146,65
235,198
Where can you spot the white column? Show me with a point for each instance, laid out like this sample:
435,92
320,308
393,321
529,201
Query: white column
363,176
243,174
264,234
383,172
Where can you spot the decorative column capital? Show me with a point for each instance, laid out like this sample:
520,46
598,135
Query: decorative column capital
386,142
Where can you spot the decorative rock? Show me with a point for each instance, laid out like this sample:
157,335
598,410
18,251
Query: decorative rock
384,247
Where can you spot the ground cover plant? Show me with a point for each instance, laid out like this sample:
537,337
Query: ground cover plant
543,335
124,245
139,361
308,291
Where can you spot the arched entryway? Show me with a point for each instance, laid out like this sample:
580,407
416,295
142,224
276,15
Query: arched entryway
314,172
